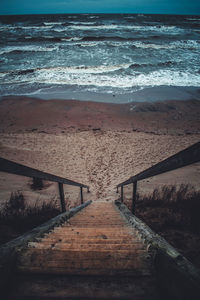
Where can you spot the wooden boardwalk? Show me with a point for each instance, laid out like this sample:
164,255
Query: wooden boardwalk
96,254
95,251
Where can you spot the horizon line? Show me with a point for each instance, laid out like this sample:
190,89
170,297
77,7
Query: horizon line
102,13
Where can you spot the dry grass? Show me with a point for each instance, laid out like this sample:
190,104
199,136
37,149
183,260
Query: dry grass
17,217
175,207
173,212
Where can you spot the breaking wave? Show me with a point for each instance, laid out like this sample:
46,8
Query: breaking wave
29,48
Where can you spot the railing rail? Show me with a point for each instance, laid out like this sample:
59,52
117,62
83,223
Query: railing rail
181,159
11,167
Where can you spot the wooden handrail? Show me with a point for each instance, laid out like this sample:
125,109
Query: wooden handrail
11,167
181,159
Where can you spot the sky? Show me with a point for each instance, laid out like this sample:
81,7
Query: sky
14,7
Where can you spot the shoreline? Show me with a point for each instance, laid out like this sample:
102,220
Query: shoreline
145,94
172,117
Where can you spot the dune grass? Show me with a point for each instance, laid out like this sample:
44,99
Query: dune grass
17,217
174,206
173,212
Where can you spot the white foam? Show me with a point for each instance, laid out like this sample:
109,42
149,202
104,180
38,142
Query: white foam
34,27
193,19
72,39
81,23
53,23
87,44
25,27
3,74
186,44
133,17
31,48
73,42
150,45
82,78
85,69
163,29
60,29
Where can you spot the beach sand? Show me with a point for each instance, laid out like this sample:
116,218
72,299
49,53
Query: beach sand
97,144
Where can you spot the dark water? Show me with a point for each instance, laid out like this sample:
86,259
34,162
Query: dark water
113,57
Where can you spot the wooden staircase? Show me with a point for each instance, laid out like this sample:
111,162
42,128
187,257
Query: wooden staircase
94,255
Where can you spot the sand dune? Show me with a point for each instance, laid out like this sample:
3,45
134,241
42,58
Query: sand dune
99,156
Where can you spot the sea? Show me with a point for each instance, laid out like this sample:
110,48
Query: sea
116,58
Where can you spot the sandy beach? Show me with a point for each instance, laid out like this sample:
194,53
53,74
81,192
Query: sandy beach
94,143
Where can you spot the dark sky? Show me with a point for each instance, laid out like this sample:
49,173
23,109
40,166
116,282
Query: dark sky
99,6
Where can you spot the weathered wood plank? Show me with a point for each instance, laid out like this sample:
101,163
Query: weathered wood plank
84,287
9,251
134,196
62,197
169,263
81,191
18,169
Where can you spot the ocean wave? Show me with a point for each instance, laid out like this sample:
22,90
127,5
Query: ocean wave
19,72
151,46
159,64
53,23
2,74
156,78
71,39
161,28
131,18
184,44
81,23
35,27
84,25
99,39
87,44
115,41
193,19
19,49
41,39
92,77
106,38
39,27
82,69
59,29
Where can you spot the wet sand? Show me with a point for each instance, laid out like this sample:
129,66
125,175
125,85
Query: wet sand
97,144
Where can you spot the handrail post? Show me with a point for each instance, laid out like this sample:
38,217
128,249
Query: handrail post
62,197
81,188
122,193
134,196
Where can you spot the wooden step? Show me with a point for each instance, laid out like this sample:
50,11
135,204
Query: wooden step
85,234
85,247
83,288
85,240
64,262
94,229
95,255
